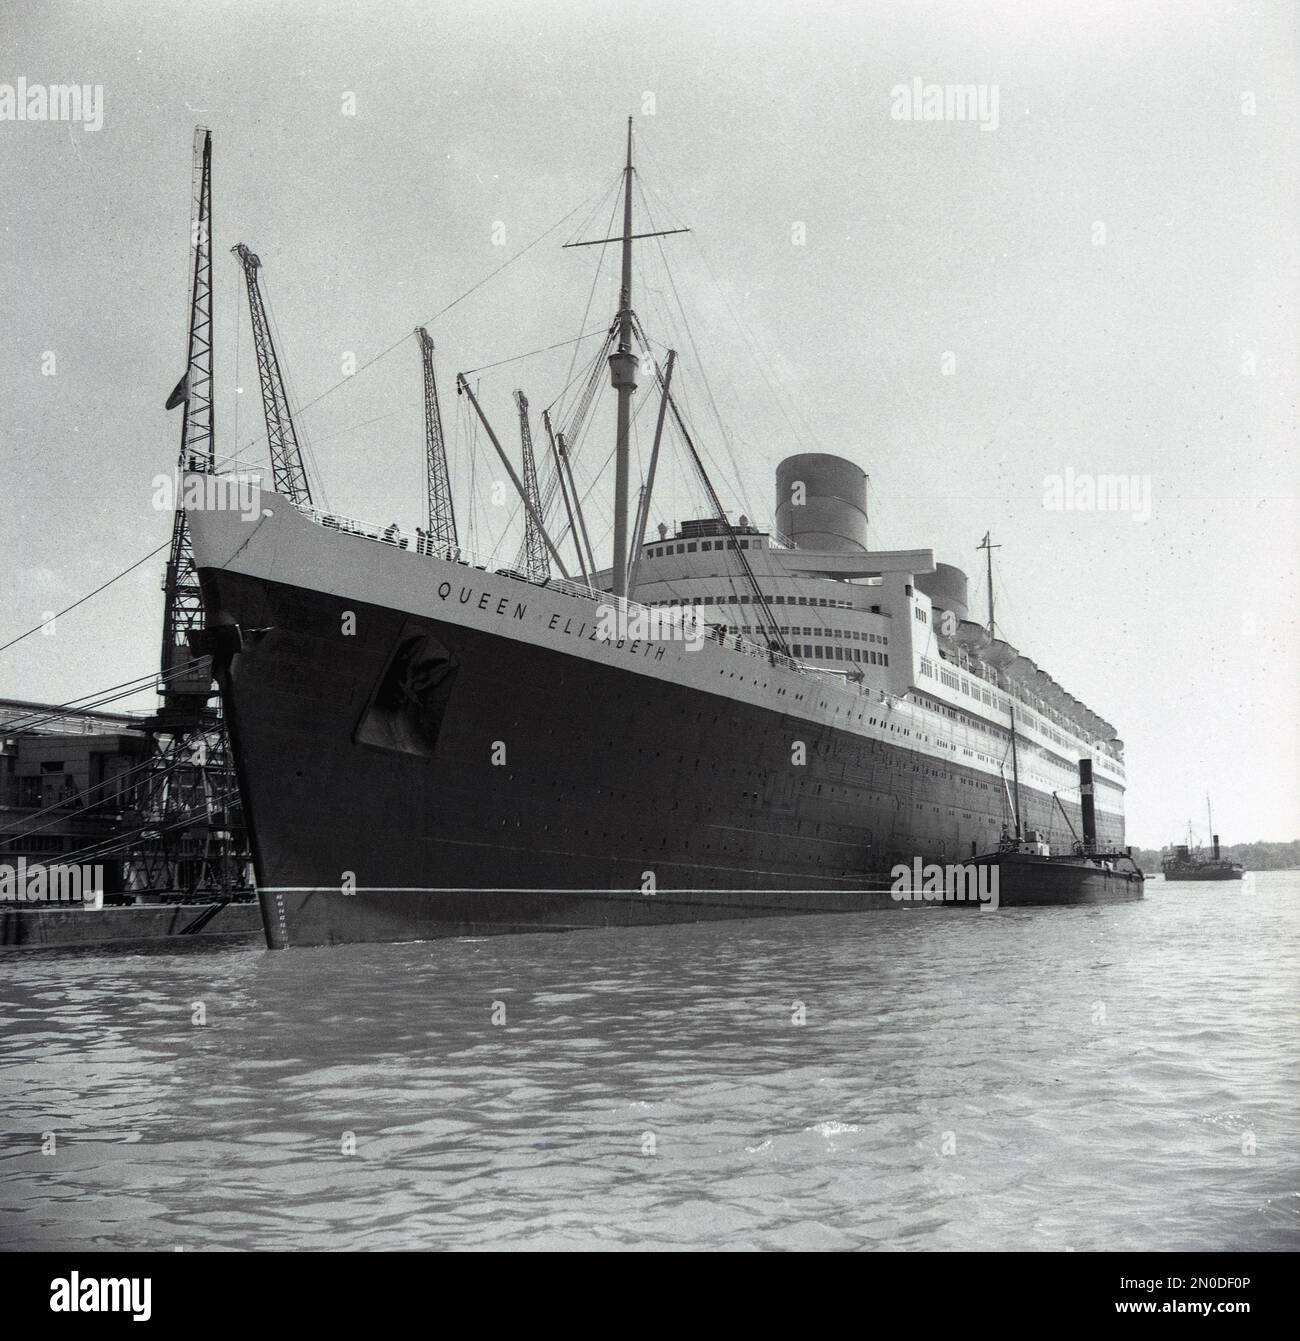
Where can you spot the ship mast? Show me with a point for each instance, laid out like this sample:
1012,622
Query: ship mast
622,371
1015,766
987,545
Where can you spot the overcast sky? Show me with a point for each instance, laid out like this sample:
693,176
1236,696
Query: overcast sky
1103,281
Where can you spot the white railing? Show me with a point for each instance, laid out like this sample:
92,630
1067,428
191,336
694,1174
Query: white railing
426,545
1003,695
846,680
714,634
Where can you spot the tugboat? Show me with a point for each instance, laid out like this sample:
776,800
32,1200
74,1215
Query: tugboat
1188,863
1029,873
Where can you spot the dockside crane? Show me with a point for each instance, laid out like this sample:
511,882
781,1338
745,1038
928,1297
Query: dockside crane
188,827
187,686
441,513
287,470
537,563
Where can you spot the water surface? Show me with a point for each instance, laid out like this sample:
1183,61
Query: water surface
1090,1078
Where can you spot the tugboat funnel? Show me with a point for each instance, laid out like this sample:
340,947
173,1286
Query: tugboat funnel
1089,812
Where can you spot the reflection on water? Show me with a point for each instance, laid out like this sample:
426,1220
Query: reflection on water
1106,1078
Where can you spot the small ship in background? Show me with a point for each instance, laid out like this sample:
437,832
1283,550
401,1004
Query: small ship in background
1186,862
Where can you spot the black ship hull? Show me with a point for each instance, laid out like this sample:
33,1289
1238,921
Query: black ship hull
1026,881
419,778
48,928
1178,877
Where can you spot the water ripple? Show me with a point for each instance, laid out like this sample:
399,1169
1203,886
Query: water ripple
1041,1079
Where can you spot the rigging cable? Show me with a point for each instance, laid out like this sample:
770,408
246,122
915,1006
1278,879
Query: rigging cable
553,484
595,280
291,395
45,623
12,839
123,841
760,600
808,439
442,311
532,353
699,362
98,697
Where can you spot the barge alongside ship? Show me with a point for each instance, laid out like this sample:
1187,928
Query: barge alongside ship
130,926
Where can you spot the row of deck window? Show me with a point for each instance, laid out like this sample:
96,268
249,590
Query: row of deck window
690,546
732,599
838,652
852,635
997,701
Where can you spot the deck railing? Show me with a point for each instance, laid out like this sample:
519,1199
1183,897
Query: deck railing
1005,694
714,634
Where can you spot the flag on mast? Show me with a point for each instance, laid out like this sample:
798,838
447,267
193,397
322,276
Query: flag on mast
181,394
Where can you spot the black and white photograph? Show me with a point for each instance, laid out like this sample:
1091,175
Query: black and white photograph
649,628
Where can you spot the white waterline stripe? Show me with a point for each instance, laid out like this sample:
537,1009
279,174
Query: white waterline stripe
445,889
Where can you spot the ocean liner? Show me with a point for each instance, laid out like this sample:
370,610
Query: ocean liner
726,721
